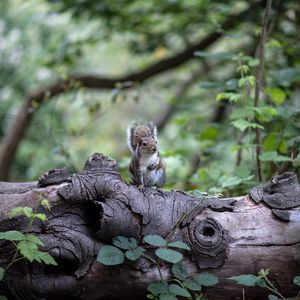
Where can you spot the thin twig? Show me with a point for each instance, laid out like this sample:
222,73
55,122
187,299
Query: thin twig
259,78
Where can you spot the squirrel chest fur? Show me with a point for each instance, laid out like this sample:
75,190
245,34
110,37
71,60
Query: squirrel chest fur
147,167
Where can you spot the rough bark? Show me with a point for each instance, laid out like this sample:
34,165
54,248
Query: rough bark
227,236
13,138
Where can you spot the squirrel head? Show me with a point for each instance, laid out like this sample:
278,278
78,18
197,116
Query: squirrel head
146,145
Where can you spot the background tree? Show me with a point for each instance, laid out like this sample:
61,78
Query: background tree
163,60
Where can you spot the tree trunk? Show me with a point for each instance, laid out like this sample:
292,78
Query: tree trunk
227,237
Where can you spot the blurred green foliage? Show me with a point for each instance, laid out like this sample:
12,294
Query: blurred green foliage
41,41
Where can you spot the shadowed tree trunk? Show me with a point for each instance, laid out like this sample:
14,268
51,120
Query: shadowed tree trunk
227,237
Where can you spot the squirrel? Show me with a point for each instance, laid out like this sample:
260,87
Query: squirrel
147,167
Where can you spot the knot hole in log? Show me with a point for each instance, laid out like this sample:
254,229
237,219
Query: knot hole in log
208,241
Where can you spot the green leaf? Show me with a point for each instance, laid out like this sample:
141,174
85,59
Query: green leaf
110,256
242,82
273,297
242,113
206,279
155,240
12,235
46,258
125,242
169,255
273,156
167,297
242,124
2,273
27,211
210,85
41,217
270,142
247,280
253,62
45,203
179,271
28,249
192,285
135,253
277,95
179,245
296,280
19,211
178,291
285,77
231,181
261,283
159,287
231,97
3,297
34,239
251,80
220,55
243,68
265,113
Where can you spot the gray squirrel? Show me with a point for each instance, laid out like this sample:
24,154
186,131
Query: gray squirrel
147,167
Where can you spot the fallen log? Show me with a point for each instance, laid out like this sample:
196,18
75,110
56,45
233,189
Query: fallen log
227,237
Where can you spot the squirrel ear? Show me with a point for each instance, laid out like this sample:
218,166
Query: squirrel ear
153,130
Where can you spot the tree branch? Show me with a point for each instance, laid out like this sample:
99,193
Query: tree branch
12,139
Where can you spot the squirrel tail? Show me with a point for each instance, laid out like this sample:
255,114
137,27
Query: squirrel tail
132,133
130,136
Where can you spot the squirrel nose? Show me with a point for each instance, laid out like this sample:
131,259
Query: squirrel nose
154,149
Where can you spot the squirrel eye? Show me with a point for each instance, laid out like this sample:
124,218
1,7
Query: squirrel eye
144,144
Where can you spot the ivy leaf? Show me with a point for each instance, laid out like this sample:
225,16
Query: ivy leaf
134,254
247,280
159,287
110,256
125,242
206,279
179,271
192,285
296,280
28,249
178,291
273,156
46,258
179,245
2,273
155,240
242,124
34,239
169,255
12,235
